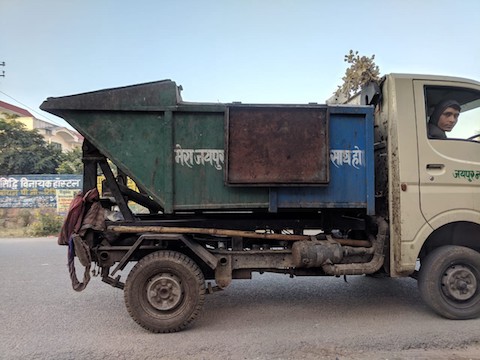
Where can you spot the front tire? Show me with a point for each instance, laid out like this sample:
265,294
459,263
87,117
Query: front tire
449,282
165,291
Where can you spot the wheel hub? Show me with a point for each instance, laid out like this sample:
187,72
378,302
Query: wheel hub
164,292
459,283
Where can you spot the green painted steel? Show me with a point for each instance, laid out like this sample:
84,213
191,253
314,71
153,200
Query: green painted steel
199,165
171,149
139,145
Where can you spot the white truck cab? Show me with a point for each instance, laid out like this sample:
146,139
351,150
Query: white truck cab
429,189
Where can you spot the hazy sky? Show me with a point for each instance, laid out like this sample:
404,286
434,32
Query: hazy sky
251,51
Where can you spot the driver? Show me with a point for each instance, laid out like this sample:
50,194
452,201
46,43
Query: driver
443,119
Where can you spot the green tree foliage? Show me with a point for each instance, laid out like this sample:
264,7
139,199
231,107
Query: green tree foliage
8,116
46,223
71,162
25,151
362,70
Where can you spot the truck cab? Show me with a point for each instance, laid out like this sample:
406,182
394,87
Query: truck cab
432,187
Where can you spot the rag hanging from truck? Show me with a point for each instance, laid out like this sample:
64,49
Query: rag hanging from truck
85,212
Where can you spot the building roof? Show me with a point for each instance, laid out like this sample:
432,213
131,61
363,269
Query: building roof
14,109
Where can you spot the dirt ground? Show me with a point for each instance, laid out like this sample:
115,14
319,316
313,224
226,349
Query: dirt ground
467,353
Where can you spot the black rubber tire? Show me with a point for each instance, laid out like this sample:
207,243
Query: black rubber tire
458,266
149,297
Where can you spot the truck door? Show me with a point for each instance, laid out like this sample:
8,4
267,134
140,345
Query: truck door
449,169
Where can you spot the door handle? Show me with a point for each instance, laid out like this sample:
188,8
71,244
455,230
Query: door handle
435,166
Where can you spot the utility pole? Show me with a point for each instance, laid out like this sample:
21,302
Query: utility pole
3,71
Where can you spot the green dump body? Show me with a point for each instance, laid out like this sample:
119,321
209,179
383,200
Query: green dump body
228,157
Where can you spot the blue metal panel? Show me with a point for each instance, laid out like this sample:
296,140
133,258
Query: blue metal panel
351,166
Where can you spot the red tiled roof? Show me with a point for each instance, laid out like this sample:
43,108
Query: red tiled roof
15,109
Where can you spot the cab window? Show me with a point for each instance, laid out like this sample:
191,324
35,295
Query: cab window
468,125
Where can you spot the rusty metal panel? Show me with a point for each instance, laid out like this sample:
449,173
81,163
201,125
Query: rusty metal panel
277,145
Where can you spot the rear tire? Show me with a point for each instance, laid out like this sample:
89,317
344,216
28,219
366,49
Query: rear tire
165,291
449,282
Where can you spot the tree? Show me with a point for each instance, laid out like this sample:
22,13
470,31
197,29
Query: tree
25,151
71,162
362,71
7,116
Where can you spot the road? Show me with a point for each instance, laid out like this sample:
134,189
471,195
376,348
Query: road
269,317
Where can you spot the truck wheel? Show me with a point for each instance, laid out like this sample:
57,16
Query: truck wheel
165,291
449,282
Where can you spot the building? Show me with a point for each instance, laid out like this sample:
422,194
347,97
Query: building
62,137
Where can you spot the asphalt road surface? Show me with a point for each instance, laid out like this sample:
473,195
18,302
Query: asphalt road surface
269,317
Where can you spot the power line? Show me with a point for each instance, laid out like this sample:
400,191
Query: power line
32,110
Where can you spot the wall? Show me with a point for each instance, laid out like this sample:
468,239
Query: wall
39,191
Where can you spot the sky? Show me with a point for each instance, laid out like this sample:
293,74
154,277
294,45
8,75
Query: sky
253,51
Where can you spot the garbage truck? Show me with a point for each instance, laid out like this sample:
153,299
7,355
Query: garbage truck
222,190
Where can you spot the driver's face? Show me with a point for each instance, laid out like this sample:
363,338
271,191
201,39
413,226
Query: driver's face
448,119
